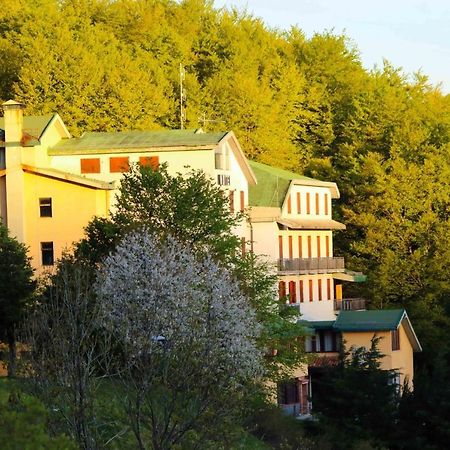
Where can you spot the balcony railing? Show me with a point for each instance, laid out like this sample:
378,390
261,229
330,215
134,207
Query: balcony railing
311,265
350,304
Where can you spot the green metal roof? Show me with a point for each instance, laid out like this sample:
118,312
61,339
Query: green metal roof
272,186
115,142
372,320
33,126
322,324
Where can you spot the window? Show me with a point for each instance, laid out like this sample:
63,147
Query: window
395,338
289,205
280,246
47,253
231,200
300,250
242,201
223,180
301,291
119,164
90,165
310,290
328,289
282,289
327,246
299,205
319,287
326,204
222,158
149,161
292,292
308,203
290,247
45,207
309,246
317,204
318,247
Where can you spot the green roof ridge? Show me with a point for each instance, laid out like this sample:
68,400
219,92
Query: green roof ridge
369,320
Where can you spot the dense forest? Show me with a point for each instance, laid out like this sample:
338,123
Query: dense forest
304,104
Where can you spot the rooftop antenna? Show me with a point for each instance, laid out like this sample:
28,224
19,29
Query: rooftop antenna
182,97
203,120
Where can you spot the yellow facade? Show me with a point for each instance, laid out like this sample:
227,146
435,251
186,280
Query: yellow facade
400,360
73,206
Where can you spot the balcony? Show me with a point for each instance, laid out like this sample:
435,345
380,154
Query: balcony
350,304
310,265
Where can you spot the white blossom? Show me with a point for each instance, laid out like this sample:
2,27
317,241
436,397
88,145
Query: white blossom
158,297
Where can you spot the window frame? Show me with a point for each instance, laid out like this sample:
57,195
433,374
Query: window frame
47,254
45,207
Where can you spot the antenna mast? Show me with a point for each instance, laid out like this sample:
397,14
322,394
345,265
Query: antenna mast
182,97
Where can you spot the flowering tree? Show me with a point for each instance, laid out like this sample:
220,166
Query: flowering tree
189,336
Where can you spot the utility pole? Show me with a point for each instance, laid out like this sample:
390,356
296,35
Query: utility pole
182,97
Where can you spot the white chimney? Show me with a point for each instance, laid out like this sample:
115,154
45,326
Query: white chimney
13,115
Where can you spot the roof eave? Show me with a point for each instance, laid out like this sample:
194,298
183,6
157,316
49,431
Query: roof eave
240,156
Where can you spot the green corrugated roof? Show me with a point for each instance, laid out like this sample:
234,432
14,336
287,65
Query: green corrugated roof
272,186
32,125
372,320
101,142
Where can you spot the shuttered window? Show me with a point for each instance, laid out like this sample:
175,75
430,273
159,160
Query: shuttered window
90,165
292,292
231,200
149,161
118,164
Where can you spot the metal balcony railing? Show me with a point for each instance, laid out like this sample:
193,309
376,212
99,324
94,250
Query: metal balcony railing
350,304
311,265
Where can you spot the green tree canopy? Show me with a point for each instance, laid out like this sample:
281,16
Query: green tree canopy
16,287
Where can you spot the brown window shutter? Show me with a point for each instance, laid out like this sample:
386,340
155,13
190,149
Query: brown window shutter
310,290
327,246
280,246
319,283
292,293
318,247
282,289
328,289
90,165
119,164
317,203
149,161
300,249
301,291
299,205
242,201
290,247
326,204
289,204
308,203
309,246
231,199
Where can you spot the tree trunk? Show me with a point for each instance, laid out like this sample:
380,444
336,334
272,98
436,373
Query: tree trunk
12,354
